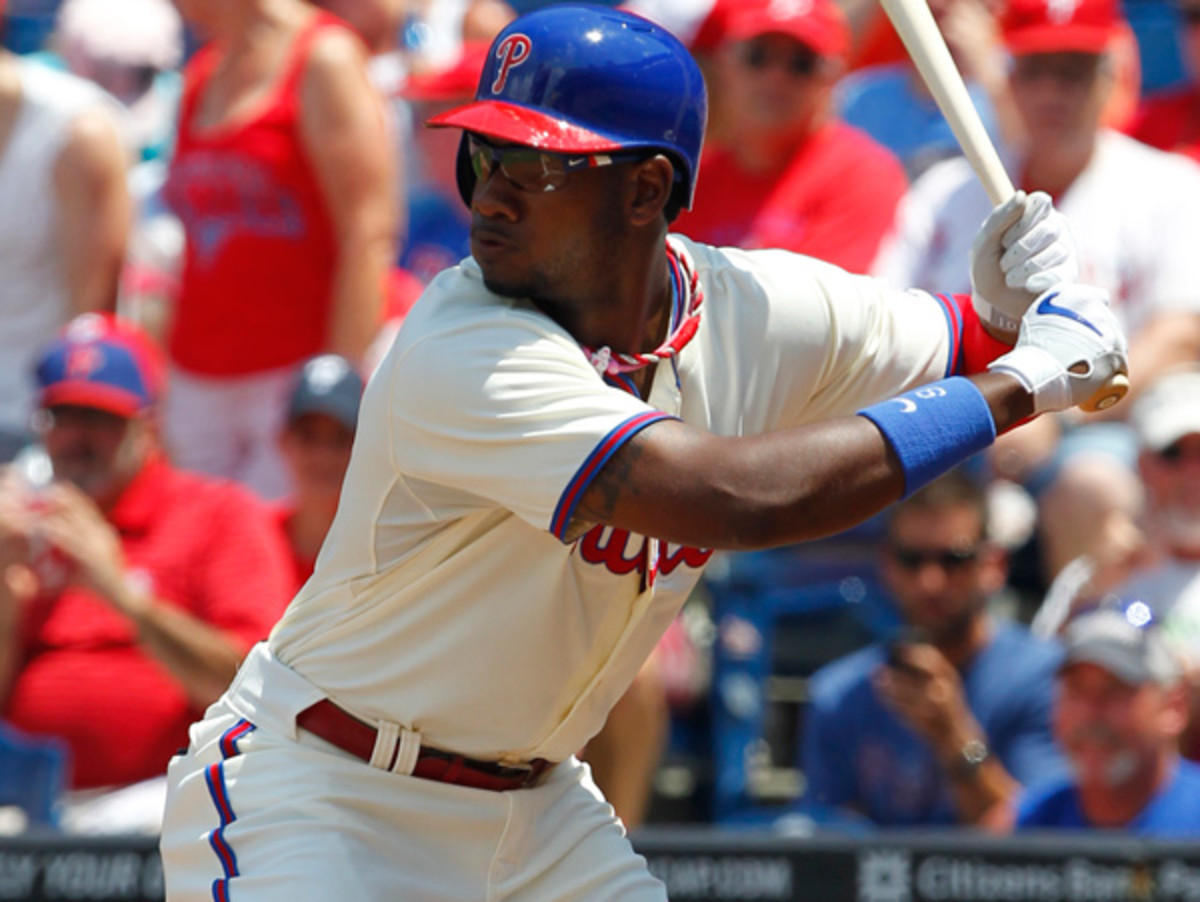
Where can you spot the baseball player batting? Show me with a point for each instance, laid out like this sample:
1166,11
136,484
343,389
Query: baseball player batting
569,423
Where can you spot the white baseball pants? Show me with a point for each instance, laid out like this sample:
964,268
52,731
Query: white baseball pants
258,810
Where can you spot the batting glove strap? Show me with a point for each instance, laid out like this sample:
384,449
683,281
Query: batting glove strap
1042,374
1070,345
994,316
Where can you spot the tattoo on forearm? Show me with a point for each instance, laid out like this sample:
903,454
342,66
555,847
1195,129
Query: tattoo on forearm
611,482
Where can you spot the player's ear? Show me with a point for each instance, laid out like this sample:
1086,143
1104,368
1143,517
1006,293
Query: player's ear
653,179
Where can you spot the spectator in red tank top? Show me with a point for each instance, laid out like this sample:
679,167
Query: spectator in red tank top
791,175
283,179
129,590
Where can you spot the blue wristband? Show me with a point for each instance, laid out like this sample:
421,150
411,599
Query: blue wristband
934,427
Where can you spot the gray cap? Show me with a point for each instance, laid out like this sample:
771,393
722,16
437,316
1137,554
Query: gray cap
327,384
1123,640
1169,408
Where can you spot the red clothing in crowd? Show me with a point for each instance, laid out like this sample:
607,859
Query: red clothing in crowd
203,545
299,568
834,200
257,281
1170,121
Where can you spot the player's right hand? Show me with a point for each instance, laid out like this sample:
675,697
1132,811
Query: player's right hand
1070,347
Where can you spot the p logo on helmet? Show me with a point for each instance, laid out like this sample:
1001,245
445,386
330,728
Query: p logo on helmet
584,79
512,51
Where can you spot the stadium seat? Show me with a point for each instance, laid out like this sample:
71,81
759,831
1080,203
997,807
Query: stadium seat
32,775
781,615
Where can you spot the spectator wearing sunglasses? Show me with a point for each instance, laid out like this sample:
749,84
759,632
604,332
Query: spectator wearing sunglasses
788,173
1130,211
945,723
1119,711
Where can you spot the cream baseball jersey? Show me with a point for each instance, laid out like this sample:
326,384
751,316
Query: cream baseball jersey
456,594
1131,211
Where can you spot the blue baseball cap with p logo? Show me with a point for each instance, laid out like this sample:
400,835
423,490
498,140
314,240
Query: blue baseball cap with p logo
102,362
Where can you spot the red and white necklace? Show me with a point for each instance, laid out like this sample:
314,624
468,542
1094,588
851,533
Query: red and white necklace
681,328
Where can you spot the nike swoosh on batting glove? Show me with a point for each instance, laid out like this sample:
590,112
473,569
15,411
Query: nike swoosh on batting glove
1070,346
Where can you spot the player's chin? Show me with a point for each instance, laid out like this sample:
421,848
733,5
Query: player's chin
503,280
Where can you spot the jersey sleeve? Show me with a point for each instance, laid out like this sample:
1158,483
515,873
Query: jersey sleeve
837,342
508,412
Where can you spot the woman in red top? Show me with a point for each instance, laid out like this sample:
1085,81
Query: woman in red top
282,178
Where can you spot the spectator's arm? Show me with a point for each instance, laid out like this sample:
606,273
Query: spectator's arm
95,210
344,133
18,583
13,574
927,694
201,657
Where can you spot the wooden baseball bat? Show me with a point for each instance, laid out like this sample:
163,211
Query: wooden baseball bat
917,29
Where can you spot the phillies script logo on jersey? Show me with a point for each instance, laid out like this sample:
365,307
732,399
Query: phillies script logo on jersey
609,547
513,51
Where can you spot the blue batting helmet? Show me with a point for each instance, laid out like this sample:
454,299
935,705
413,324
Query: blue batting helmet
579,78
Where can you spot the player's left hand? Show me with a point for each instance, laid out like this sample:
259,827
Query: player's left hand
1022,249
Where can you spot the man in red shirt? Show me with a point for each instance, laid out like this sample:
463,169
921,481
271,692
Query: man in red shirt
790,174
129,590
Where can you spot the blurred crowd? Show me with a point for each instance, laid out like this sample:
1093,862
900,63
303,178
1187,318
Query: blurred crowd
214,215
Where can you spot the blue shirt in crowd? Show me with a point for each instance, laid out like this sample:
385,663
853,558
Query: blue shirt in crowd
888,103
858,754
1173,813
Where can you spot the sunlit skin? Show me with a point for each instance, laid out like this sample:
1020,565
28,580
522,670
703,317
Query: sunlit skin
771,106
1172,482
1060,98
1119,738
561,249
941,601
376,21
99,452
317,448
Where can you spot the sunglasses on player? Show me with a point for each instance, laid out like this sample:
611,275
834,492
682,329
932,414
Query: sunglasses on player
536,170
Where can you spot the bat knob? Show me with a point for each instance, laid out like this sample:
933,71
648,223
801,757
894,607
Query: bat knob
1108,394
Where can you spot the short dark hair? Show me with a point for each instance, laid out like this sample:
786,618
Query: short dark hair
955,488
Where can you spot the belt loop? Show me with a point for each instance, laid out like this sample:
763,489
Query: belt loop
410,748
386,737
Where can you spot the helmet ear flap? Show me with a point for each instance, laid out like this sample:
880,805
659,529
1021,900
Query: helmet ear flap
464,174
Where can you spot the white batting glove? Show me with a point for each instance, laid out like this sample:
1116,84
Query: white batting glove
1022,249
1070,346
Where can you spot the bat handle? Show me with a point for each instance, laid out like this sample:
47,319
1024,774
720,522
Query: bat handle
987,166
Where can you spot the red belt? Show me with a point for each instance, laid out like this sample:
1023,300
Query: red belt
335,726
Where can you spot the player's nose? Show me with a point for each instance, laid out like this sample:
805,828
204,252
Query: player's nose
494,196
